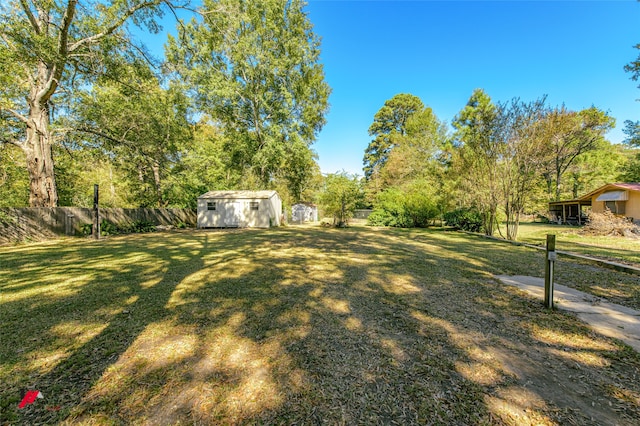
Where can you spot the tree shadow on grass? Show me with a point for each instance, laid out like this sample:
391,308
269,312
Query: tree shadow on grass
340,326
81,328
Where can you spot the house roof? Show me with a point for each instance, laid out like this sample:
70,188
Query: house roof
581,201
243,194
629,186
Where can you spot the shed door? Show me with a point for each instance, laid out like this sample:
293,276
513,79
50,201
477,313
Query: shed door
232,214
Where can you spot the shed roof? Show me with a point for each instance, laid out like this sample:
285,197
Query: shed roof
243,194
631,186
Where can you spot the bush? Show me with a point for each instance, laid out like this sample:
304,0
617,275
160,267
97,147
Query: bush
601,224
403,209
421,209
86,228
140,226
382,217
108,228
468,219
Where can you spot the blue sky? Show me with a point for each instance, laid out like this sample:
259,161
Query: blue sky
572,51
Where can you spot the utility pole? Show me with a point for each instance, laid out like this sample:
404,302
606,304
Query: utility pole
96,213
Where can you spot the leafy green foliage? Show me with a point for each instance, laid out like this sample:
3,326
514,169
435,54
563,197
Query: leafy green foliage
390,210
466,219
402,209
389,123
340,196
631,170
14,180
255,69
506,152
632,130
140,125
48,45
569,135
634,67
139,226
110,228
478,152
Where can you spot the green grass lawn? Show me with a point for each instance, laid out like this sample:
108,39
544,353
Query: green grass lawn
302,325
570,238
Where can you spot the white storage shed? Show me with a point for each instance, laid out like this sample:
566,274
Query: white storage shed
239,209
304,212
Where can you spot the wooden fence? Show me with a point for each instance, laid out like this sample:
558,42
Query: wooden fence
38,223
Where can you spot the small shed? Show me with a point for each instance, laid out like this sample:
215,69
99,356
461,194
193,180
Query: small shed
304,212
621,198
239,209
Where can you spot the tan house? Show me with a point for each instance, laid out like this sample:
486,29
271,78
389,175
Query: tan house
621,198
239,209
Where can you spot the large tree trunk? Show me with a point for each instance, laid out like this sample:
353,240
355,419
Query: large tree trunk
157,183
39,153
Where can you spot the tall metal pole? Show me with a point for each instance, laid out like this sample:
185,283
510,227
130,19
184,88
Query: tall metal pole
96,213
548,270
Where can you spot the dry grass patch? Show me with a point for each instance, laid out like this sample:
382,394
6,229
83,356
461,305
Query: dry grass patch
298,325
573,239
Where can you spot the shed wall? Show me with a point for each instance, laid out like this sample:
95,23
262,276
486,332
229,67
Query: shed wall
232,212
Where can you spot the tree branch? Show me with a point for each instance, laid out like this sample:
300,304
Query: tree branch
117,24
122,141
17,115
11,141
32,18
55,72
64,29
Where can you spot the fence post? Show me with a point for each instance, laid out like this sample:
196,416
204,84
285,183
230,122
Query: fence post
548,270
96,213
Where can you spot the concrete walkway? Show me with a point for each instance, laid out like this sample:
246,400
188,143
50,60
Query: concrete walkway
606,318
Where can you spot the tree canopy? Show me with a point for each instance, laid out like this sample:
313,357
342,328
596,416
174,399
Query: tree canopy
497,164
46,46
255,69
77,90
389,123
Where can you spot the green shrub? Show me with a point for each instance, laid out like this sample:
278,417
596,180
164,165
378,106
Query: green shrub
109,228
467,219
420,208
403,209
86,228
142,226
